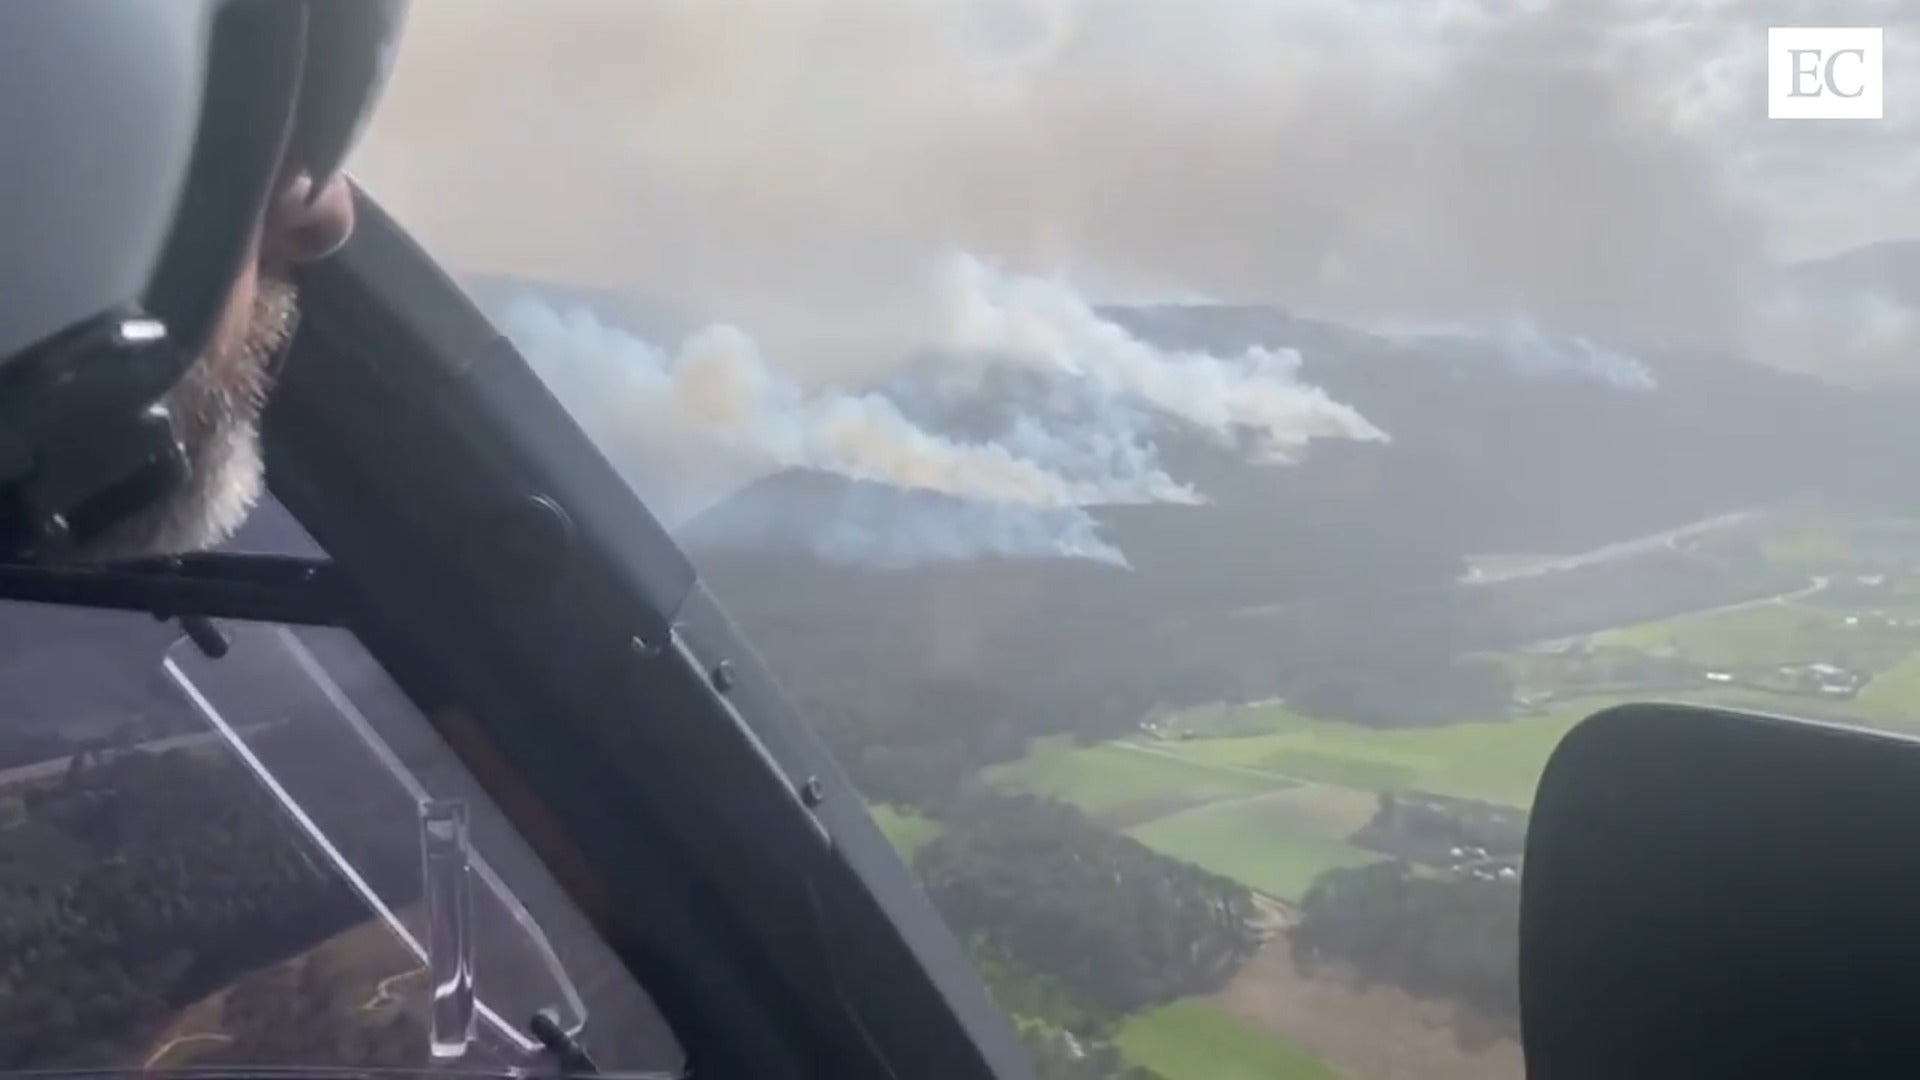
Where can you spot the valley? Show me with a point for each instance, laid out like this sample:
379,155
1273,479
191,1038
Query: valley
1275,799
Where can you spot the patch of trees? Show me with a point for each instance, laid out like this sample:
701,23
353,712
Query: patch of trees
1429,828
1406,695
1117,925
140,882
1594,597
1436,935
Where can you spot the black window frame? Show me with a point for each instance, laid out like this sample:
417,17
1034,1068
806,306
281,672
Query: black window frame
491,558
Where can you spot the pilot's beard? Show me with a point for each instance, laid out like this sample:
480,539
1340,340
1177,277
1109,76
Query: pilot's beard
216,408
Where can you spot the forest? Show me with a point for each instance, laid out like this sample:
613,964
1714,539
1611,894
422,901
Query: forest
1429,828
1074,927
136,883
1441,935
1332,582
1114,924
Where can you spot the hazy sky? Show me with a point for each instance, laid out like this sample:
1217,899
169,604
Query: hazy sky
800,166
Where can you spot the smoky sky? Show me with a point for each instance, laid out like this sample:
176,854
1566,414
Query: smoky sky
804,168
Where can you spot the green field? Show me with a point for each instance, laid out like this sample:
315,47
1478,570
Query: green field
1493,760
1249,841
1192,1040
1817,542
1892,699
1793,633
1106,778
906,831
1270,798
1763,634
1228,721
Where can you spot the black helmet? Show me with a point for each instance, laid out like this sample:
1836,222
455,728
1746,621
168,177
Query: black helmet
139,142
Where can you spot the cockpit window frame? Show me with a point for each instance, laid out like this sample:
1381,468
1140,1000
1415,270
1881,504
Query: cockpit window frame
497,565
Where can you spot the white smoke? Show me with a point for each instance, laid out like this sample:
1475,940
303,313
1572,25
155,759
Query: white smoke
716,387
800,165
801,168
1531,352
1524,349
1045,324
716,400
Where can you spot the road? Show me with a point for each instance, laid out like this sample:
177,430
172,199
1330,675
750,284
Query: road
384,992
45,770
178,1041
1624,549
1529,566
1815,584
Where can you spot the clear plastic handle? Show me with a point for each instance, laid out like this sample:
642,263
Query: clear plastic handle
447,855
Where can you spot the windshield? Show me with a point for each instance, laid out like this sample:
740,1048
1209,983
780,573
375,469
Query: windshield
1194,461
250,850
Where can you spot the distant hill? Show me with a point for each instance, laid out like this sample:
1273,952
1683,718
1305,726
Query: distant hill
1483,457
1890,268
1345,562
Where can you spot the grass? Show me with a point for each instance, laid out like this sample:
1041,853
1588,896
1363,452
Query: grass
1770,634
1496,760
1229,721
1252,842
1762,633
1104,778
907,831
1892,699
1817,542
1192,1040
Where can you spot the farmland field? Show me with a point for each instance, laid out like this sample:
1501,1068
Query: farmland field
1195,1039
1771,633
1254,841
1272,798
1108,779
1494,760
906,831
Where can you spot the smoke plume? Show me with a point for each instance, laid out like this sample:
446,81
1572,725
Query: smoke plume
803,167
1525,350
717,400
804,170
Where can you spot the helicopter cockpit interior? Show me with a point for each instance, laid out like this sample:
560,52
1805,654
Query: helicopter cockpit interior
963,540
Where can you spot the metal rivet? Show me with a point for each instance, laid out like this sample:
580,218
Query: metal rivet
722,676
813,792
